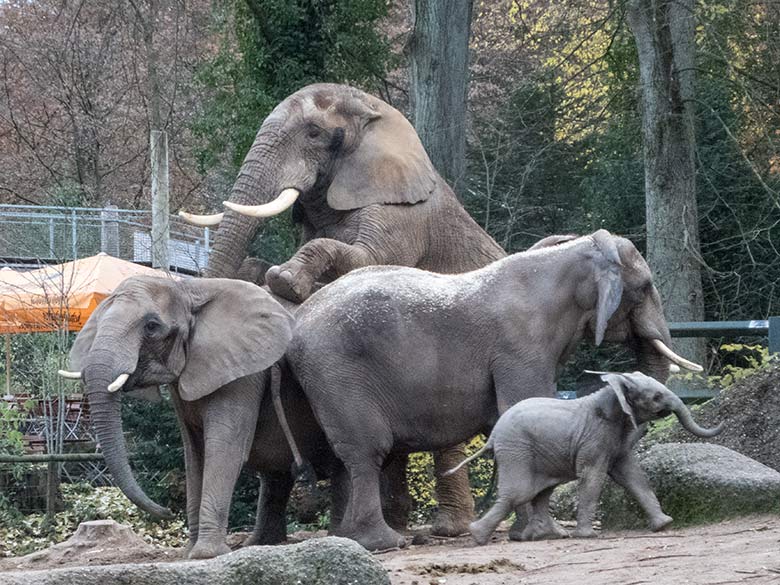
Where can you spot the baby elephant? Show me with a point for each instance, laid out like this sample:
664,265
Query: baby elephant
540,443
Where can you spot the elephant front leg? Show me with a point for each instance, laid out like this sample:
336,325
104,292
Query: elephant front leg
588,491
456,504
271,522
627,473
229,422
295,279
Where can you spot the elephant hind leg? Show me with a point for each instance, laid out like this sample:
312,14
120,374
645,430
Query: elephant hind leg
540,525
271,521
511,495
363,520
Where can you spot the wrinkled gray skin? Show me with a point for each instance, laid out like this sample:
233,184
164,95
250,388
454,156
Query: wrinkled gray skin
400,360
185,334
369,195
540,443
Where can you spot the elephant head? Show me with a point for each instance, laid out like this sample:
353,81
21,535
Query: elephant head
198,334
628,307
328,149
644,399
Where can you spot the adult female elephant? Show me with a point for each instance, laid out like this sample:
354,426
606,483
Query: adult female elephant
422,361
366,193
154,331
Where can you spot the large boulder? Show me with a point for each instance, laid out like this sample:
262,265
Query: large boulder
331,561
695,483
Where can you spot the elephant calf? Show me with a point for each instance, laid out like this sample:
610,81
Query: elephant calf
540,443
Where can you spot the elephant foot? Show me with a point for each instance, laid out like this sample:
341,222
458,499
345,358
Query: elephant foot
208,550
451,523
660,522
264,538
296,288
480,532
547,529
584,532
378,540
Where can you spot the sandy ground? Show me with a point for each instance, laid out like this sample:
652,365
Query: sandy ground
745,550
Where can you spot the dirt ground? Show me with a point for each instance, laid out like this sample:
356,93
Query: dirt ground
745,550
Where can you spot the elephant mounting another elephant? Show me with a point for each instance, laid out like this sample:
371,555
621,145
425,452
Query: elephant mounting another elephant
365,193
397,360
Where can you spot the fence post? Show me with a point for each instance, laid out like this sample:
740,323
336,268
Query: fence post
109,230
160,206
774,335
74,234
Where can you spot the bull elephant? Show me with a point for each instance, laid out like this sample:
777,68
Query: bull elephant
425,361
366,193
154,331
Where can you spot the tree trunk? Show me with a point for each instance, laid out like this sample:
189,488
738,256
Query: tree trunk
439,68
664,33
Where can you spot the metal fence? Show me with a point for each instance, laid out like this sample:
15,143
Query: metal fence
31,235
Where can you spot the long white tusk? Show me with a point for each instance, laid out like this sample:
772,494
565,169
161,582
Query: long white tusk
69,375
118,383
285,199
660,346
201,220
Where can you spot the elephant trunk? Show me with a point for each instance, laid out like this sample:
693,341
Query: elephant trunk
256,183
106,417
686,419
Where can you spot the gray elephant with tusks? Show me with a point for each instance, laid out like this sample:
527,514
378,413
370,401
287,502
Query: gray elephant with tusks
216,343
540,443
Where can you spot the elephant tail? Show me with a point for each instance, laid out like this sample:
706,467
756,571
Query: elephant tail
300,467
487,447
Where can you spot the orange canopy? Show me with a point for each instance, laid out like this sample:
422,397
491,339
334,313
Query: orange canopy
61,296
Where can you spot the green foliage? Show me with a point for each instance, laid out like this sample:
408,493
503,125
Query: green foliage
742,360
422,483
20,535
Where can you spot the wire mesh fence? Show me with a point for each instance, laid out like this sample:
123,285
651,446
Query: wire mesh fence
31,235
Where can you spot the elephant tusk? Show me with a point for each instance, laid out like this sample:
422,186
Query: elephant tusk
118,383
285,199
69,375
661,347
201,220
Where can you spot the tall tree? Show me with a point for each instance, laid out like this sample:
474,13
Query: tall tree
664,34
439,68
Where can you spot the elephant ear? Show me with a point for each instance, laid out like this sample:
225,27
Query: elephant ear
551,241
83,343
388,165
618,383
609,281
237,329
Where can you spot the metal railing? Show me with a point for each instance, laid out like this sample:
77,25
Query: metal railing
769,328
31,235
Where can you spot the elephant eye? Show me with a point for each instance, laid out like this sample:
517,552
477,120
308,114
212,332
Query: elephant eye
151,327
314,131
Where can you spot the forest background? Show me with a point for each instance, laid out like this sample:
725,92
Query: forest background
553,125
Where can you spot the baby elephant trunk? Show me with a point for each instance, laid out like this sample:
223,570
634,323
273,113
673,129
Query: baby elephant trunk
686,420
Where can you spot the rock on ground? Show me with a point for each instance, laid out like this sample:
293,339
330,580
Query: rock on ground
695,483
331,561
